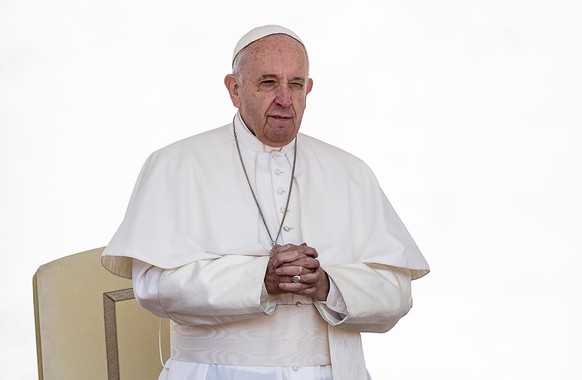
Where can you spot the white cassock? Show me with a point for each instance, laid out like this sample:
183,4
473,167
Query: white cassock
196,248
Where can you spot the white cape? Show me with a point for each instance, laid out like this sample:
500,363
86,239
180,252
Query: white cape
191,202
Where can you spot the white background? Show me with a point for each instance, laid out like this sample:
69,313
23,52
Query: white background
469,112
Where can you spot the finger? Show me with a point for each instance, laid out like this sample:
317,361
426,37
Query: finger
275,248
309,278
309,251
306,262
306,279
292,271
303,248
287,257
292,287
284,248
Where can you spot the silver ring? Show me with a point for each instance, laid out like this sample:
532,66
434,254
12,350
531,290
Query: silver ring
296,278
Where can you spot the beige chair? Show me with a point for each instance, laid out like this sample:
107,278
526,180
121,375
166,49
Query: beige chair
88,325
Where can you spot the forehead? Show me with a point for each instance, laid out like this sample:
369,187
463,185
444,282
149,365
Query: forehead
279,42
275,52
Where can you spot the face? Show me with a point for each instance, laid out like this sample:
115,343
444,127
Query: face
271,87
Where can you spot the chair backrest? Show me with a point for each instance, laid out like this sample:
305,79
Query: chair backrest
88,325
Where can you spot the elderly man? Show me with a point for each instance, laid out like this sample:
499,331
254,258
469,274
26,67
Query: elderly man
269,250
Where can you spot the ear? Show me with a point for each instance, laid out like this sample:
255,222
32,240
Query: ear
309,85
233,89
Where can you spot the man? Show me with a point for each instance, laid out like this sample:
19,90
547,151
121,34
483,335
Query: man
269,250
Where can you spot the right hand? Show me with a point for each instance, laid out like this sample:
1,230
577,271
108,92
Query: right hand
289,260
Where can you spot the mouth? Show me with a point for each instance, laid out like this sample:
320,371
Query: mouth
281,117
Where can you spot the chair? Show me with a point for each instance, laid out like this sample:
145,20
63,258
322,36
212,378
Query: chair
89,326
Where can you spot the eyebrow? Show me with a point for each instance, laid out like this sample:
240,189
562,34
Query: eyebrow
273,76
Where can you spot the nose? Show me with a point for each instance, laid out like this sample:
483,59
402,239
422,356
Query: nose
283,96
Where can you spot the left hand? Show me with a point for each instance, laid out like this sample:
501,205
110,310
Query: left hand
300,260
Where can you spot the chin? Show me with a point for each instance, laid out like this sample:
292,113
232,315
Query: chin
282,139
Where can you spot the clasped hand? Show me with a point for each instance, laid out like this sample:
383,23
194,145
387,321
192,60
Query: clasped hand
291,260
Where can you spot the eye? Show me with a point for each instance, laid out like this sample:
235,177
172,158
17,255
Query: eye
267,84
296,85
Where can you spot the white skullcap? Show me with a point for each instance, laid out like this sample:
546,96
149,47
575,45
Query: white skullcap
261,32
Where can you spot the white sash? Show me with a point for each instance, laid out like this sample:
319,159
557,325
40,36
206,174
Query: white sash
294,335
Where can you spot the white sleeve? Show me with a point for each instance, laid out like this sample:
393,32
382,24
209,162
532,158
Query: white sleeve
375,297
335,301
145,280
206,291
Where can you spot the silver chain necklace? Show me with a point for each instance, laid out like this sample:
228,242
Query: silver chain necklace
273,241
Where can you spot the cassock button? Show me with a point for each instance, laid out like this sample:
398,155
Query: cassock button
287,228
280,191
295,368
298,304
278,172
